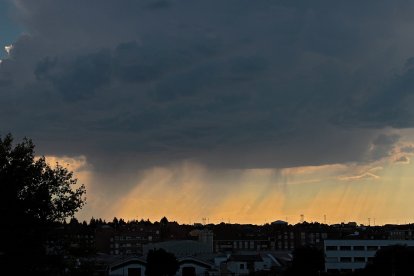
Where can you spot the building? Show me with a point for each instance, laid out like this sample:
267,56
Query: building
180,248
131,241
128,266
242,245
191,266
245,264
135,266
350,255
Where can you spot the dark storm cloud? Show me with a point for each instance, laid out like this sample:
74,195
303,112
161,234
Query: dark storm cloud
226,83
408,149
383,146
388,105
77,79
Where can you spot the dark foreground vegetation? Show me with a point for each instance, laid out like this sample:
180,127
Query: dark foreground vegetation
34,198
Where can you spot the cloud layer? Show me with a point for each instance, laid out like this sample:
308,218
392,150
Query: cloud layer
233,84
284,107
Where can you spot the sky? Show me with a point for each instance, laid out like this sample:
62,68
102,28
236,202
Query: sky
237,110
10,30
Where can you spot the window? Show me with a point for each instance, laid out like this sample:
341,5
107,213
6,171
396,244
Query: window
359,259
134,271
241,266
188,271
345,259
331,248
372,248
359,248
345,247
332,260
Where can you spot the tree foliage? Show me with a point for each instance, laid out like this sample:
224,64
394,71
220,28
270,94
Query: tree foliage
161,263
307,260
33,196
392,260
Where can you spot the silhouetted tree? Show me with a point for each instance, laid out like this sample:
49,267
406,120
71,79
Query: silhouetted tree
33,198
161,263
394,260
92,222
307,260
74,221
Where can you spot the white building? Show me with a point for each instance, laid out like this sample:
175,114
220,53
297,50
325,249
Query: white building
245,264
349,255
135,266
130,266
190,266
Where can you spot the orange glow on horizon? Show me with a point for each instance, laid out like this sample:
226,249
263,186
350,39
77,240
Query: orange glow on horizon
188,192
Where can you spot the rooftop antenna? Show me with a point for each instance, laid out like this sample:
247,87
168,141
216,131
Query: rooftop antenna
369,221
302,218
324,219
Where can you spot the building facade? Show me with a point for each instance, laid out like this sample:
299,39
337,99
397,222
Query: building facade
350,255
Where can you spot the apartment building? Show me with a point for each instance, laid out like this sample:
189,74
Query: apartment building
350,255
131,241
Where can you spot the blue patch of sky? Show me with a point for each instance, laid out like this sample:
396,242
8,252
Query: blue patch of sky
9,30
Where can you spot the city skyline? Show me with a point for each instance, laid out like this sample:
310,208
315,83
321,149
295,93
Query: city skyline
244,111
